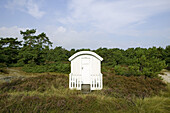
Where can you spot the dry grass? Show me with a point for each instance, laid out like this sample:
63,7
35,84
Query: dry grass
17,71
50,93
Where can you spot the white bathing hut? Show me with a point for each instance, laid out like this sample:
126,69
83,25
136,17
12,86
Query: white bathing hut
85,70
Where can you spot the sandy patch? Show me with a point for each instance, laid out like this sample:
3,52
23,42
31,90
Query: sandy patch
165,76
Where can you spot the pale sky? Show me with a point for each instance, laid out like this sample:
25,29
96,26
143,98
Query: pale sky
90,23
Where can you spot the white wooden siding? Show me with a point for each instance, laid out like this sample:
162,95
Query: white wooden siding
75,77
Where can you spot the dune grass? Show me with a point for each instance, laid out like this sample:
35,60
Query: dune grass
50,93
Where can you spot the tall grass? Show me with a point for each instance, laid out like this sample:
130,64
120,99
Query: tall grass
50,93
152,105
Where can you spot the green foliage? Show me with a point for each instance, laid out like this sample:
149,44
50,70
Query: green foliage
53,67
111,57
57,54
138,64
134,70
134,61
167,56
35,55
121,70
9,49
35,48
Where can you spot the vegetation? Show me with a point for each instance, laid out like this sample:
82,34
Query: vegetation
137,62
53,67
50,93
9,49
40,78
35,55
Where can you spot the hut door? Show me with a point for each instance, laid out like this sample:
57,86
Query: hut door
85,70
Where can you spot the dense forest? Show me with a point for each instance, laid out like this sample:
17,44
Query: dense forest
35,54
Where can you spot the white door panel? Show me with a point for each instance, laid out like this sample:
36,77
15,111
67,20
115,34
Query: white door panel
85,67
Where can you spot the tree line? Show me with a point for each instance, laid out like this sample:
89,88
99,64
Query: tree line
34,54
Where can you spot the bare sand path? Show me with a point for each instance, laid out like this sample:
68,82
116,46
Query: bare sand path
165,76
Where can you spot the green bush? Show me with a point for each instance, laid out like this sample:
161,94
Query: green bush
119,70
134,70
53,67
2,65
149,69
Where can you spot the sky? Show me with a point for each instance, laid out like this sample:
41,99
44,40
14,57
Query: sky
90,23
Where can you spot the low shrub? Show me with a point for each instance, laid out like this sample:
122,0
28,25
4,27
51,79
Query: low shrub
39,83
3,70
119,95
60,104
53,67
121,86
119,70
2,65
